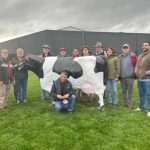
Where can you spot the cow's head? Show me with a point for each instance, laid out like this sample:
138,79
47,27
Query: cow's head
34,63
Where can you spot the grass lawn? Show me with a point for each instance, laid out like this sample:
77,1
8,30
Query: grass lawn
37,126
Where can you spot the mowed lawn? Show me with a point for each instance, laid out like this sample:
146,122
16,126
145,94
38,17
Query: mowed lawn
35,125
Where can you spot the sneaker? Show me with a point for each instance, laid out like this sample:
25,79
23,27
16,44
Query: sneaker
24,100
18,102
70,110
137,109
148,114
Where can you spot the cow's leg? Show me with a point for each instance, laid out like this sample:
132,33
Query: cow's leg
100,101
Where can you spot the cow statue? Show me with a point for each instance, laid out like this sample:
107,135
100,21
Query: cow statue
86,73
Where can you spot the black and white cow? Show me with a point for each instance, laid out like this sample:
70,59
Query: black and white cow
86,73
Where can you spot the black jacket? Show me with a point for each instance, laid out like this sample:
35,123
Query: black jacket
59,88
20,71
4,71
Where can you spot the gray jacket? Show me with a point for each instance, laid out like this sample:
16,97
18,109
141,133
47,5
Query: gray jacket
126,65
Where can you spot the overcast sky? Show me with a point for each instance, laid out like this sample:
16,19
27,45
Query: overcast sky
22,17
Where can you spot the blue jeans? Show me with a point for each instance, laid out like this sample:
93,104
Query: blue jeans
144,93
59,105
43,94
112,86
21,89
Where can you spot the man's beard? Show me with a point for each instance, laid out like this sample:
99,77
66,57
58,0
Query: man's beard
145,50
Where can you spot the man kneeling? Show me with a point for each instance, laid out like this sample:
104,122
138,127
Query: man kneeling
62,93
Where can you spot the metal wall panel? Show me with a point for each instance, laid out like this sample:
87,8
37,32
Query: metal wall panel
140,38
64,39
10,45
70,39
32,43
114,40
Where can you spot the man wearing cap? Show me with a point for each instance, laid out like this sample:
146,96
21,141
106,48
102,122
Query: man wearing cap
127,64
62,52
99,49
143,75
46,52
5,77
62,93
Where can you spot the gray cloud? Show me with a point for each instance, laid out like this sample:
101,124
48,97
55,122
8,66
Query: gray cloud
21,17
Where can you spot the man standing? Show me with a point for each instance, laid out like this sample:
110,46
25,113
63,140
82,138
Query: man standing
62,93
143,75
20,74
127,64
5,77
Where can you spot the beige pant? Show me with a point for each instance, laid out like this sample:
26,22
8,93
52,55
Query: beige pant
4,93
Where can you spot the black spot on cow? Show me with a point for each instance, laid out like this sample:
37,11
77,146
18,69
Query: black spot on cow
68,64
101,66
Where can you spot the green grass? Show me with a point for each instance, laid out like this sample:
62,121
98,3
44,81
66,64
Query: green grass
36,126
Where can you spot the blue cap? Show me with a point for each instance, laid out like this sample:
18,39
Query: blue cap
46,46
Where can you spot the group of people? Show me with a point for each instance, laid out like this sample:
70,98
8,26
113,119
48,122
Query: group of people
12,71
125,67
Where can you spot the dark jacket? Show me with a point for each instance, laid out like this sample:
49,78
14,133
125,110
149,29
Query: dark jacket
4,75
59,88
113,64
20,71
103,53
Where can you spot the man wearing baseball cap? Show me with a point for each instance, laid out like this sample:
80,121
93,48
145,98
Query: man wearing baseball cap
127,64
62,52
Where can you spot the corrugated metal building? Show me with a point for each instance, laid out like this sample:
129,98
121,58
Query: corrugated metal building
74,38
